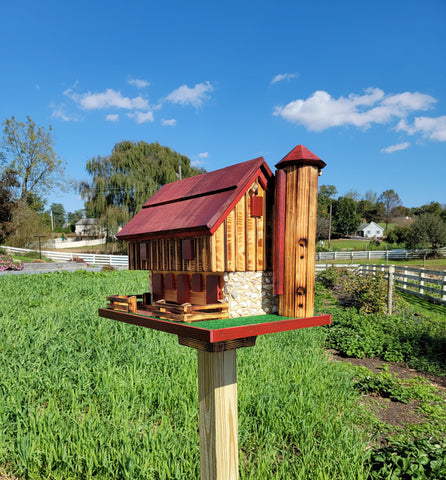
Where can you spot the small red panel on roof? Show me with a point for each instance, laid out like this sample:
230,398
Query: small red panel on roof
300,155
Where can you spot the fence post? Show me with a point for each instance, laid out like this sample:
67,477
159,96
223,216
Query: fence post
351,257
390,289
444,286
422,280
405,278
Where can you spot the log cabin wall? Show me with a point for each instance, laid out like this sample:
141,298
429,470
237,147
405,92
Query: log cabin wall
241,243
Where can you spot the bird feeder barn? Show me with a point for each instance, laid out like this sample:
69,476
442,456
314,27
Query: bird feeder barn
229,243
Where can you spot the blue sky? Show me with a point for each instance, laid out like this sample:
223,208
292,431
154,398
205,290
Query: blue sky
361,84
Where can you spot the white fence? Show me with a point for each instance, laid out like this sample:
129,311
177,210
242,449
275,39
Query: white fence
91,258
68,243
427,284
374,254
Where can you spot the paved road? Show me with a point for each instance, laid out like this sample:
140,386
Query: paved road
49,267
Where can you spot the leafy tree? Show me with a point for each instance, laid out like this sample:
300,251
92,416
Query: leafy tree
390,200
345,218
131,175
398,235
8,184
353,194
124,180
369,208
322,228
428,231
75,216
28,149
28,225
325,199
433,208
59,215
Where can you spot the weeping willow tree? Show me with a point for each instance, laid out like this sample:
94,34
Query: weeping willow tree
124,180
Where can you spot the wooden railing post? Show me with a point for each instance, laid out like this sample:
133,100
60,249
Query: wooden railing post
390,289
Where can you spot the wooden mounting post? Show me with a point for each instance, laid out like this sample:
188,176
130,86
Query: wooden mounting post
217,390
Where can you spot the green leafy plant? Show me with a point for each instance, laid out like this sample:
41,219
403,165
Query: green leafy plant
423,459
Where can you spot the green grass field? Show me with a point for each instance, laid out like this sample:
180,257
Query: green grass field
82,397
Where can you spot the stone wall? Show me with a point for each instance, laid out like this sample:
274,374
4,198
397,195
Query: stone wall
250,293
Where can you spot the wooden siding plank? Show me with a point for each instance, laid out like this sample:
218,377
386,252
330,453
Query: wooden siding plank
290,242
260,234
279,233
303,190
230,241
220,248
251,237
311,257
212,254
240,259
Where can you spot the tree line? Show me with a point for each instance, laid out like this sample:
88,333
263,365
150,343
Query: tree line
123,180
120,182
419,227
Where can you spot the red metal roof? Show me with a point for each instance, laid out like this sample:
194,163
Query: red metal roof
196,205
300,155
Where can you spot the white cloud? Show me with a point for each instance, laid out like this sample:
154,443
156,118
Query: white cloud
194,96
142,117
138,82
197,163
58,111
432,128
169,123
203,155
113,117
109,98
283,76
321,111
396,148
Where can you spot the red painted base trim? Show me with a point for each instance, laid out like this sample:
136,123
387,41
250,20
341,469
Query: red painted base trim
221,334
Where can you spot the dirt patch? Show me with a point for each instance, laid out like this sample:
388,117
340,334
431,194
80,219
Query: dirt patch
392,413
400,370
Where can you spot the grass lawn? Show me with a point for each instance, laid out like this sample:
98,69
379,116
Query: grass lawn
82,397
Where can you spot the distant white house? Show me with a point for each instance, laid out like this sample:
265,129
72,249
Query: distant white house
87,227
370,230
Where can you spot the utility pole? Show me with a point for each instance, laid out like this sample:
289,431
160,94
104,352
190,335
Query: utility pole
40,246
329,227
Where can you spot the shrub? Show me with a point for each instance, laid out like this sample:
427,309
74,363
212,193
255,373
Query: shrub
366,293
77,259
108,268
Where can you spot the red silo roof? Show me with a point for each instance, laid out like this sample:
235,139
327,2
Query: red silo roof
300,155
